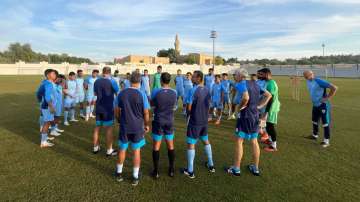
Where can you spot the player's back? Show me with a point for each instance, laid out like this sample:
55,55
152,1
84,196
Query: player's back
200,103
104,89
131,103
164,101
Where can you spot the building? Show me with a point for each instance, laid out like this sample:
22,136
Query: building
142,59
202,59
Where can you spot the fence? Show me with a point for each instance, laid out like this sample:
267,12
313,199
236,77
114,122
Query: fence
339,70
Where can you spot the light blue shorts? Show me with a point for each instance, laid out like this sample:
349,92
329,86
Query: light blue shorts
134,145
246,136
158,138
69,102
80,98
91,98
58,109
47,116
216,104
190,140
104,123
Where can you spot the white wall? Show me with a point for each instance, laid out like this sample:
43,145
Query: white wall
21,68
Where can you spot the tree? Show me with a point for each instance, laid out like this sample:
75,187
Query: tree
190,59
219,60
16,52
170,53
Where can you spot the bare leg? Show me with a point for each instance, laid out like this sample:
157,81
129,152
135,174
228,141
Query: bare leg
256,152
96,136
109,137
238,152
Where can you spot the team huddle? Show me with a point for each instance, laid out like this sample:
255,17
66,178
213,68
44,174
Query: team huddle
133,102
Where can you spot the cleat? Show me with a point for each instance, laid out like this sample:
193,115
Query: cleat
66,123
171,172
50,138
270,149
312,137
119,177
210,168
82,116
87,118
155,174
96,149
324,144
74,120
231,170
92,116
54,133
112,153
232,117
187,173
59,130
255,171
46,144
135,181
267,141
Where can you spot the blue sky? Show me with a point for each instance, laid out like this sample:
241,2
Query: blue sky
248,29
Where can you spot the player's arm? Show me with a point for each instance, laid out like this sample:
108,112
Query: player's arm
244,101
333,90
85,84
266,98
117,112
146,113
48,99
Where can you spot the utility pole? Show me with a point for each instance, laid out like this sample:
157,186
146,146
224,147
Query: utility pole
213,35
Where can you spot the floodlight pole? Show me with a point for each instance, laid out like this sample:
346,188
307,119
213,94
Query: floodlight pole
323,47
213,35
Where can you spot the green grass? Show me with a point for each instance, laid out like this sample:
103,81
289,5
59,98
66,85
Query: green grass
300,171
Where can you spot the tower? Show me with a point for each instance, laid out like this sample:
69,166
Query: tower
177,44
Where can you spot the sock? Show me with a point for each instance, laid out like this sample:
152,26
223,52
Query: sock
87,110
41,121
91,109
190,159
96,148
43,137
66,114
171,156
56,126
327,132
156,157
315,129
109,151
273,144
72,112
119,168
327,141
136,172
208,153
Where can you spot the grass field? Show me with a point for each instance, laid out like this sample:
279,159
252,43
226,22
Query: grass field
300,171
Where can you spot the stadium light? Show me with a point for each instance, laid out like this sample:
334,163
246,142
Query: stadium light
213,35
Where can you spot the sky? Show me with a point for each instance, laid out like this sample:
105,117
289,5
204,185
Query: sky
247,29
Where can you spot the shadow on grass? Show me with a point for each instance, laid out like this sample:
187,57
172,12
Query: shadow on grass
20,117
